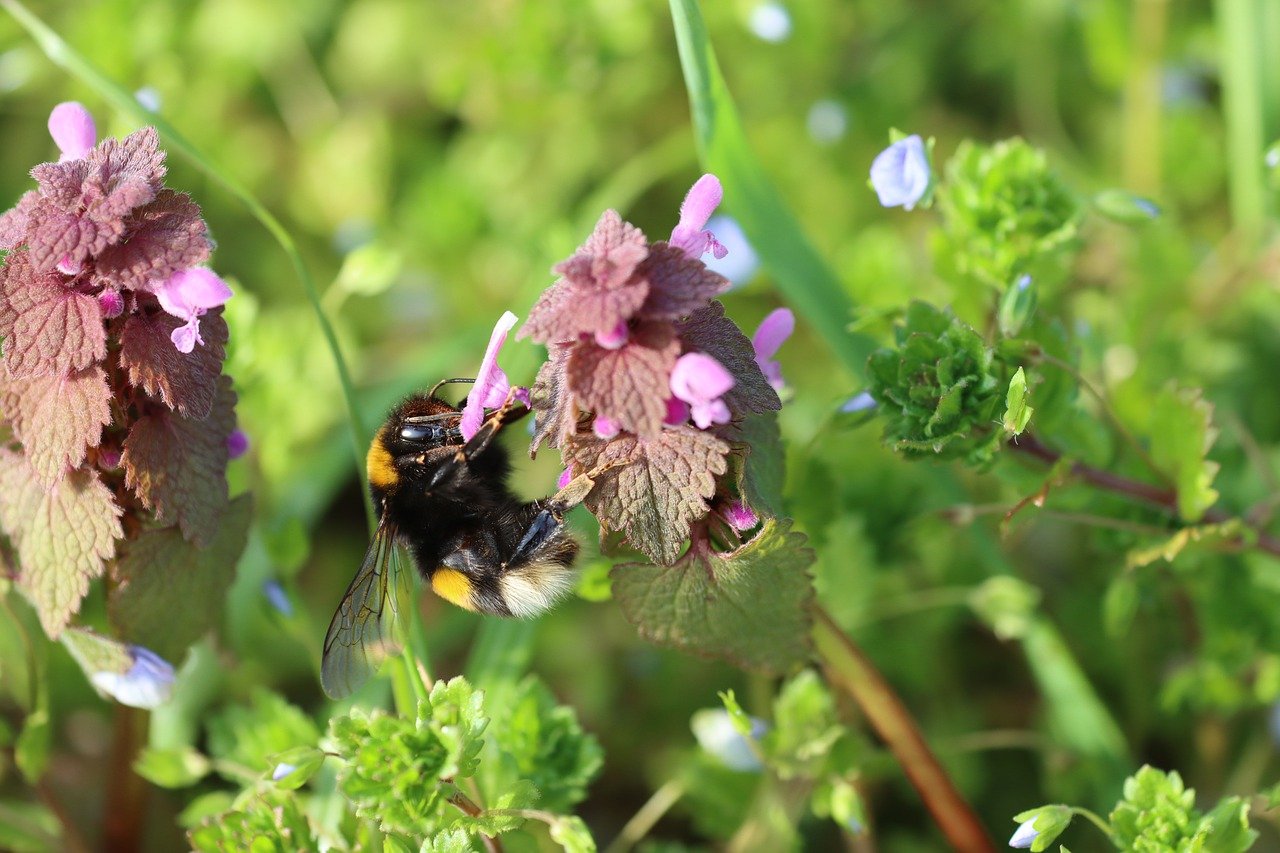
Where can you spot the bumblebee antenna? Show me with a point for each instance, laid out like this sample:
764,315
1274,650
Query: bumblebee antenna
436,387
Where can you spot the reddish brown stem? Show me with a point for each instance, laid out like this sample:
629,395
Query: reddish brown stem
126,804
852,671
1166,499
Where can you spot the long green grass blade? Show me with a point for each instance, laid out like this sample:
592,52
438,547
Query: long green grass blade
79,67
802,276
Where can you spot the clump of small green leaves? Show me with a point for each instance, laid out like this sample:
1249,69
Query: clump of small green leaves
941,389
1005,213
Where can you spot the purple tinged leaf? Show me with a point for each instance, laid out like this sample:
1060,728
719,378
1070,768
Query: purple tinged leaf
62,535
148,683
16,220
177,465
678,285
555,409
164,237
750,606
46,327
491,386
73,130
660,488
186,383
629,386
57,418
708,330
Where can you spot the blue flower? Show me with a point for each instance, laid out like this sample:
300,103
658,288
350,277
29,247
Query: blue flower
278,598
1025,835
862,402
717,735
900,173
148,683
282,770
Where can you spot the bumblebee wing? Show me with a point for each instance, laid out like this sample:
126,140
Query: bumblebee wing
363,633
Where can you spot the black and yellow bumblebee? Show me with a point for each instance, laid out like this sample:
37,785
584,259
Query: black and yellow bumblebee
446,500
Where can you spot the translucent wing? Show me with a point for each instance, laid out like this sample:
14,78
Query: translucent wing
363,631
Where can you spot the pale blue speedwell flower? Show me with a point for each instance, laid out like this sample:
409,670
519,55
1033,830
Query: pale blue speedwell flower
148,683
282,770
900,173
1025,834
714,729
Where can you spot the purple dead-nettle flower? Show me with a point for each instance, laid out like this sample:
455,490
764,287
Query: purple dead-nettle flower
701,381
1025,835
73,130
237,444
187,295
566,476
771,334
604,427
148,683
740,262
491,386
900,173
111,303
740,516
691,234
615,338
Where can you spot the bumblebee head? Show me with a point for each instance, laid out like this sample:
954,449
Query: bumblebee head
405,443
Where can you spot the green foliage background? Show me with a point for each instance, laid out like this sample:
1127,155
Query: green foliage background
432,159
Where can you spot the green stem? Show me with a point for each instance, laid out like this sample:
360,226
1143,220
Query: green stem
1093,818
1142,95
1239,55
77,65
644,820
852,671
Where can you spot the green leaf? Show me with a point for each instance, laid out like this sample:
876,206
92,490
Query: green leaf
263,824
1226,828
1007,604
160,573
502,815
1181,434
172,768
805,728
456,713
96,653
245,738
28,828
750,606
1016,411
804,278
740,719
572,834
305,761
62,535
31,751
764,468
450,841
1017,305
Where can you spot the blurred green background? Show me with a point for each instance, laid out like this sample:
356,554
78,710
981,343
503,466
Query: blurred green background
433,159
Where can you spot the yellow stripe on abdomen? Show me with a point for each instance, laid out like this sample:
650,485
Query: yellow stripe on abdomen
454,587
379,465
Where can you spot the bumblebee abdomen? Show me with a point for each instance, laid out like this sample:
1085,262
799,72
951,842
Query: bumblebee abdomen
380,466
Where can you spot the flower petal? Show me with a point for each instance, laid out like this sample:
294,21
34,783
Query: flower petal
772,333
604,427
699,378
73,130
689,234
186,337
900,173
488,377
147,684
1024,835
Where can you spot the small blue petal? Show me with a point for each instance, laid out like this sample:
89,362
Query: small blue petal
717,735
859,403
1023,282
148,683
1025,834
282,770
900,173
278,598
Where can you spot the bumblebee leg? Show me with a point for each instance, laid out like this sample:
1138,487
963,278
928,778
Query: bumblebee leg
510,412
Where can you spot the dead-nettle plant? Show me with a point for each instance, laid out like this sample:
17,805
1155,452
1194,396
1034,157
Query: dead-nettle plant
117,421
655,394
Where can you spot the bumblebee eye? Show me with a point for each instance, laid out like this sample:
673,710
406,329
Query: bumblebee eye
421,432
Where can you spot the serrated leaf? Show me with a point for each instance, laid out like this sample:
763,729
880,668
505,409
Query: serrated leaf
172,768
750,607
764,467
678,284
1181,434
572,834
449,841
629,385
160,573
47,327
62,535
659,489
163,236
57,418
1016,411
709,330
246,738
186,382
177,465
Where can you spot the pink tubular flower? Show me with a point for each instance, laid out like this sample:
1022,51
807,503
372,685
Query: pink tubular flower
740,516
112,304
770,335
604,427
616,338
491,386
72,130
187,294
690,234
700,380
566,476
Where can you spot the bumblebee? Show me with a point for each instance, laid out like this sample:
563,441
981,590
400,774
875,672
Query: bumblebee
446,501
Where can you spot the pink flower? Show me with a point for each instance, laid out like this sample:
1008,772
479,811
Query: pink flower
677,411
564,479
237,444
112,304
616,338
690,234
187,294
72,130
604,427
700,380
740,516
491,387
770,335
